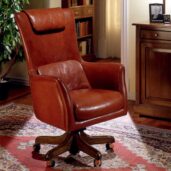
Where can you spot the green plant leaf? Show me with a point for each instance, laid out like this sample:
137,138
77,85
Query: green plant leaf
9,36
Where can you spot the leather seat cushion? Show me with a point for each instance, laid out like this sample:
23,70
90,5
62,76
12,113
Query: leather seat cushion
92,103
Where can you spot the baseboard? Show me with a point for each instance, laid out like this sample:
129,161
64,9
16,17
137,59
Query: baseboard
18,81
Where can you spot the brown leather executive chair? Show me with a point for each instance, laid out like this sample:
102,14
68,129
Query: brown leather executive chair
67,92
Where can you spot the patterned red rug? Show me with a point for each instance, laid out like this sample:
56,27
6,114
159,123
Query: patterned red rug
137,147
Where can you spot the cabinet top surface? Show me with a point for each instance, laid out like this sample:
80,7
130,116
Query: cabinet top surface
153,25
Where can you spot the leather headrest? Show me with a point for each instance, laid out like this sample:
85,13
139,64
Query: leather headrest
46,19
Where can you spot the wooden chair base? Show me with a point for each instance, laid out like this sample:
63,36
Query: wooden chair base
73,142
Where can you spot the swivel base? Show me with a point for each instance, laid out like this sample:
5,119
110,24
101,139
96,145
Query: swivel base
73,142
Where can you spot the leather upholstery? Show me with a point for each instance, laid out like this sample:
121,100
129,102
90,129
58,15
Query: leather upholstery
50,46
97,91
70,72
93,103
44,21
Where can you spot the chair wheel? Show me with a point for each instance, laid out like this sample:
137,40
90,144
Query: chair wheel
97,163
109,147
36,148
50,163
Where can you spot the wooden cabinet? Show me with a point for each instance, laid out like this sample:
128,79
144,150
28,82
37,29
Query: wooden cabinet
153,70
84,23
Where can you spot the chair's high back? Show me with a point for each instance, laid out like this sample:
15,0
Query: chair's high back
48,42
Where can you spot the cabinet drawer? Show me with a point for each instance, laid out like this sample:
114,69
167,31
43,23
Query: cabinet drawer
151,34
88,11
77,12
83,11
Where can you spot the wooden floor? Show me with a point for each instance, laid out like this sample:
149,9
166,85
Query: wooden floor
26,99
15,91
156,122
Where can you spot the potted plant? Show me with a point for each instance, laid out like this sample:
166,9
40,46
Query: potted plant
10,45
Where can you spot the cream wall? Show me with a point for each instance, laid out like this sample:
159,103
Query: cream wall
54,3
44,3
138,12
19,70
168,6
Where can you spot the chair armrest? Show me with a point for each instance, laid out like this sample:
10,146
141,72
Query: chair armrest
106,76
51,101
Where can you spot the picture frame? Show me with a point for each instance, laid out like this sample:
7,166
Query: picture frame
156,13
166,18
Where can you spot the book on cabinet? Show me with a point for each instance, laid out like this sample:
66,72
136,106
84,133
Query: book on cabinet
84,24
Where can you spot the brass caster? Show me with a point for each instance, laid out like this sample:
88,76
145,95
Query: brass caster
97,163
36,148
109,147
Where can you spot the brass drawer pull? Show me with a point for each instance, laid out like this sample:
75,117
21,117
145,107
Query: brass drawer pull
156,35
76,12
90,11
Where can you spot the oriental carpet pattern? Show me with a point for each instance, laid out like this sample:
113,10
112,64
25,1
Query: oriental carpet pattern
137,147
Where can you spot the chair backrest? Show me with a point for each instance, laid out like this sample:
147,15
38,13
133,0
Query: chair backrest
48,36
